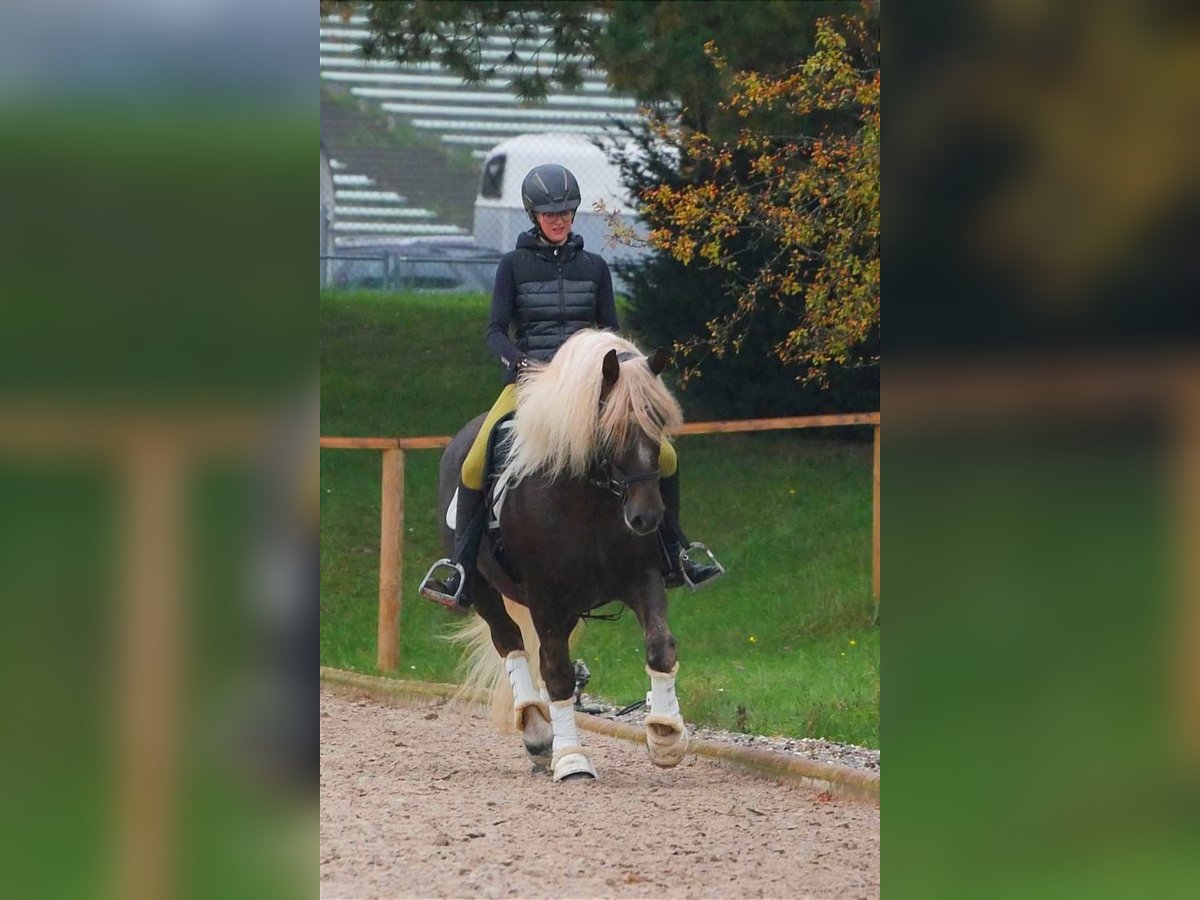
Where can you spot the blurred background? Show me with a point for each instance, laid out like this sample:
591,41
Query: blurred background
1043,209
158,413
157,346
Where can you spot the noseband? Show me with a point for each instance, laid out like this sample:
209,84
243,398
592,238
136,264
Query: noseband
608,476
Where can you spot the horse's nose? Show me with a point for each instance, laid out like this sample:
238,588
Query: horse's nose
643,523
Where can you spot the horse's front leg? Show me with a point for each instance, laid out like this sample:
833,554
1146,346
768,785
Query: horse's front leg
570,759
666,733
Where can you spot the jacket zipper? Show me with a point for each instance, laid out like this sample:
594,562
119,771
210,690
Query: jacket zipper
562,306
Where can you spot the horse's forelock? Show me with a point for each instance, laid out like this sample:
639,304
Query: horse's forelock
559,422
639,400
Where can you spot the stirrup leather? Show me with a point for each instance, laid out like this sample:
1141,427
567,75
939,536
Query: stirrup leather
685,556
428,591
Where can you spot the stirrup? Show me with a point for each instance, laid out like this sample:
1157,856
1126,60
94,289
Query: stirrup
685,556
428,591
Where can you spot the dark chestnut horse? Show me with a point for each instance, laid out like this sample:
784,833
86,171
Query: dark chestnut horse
578,529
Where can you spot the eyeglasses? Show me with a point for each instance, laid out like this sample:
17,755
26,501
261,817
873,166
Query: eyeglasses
562,216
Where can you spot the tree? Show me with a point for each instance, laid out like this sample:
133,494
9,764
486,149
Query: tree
653,51
793,218
541,32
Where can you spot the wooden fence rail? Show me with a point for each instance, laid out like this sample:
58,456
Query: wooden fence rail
391,534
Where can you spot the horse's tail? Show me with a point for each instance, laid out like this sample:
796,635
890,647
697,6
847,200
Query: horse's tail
482,669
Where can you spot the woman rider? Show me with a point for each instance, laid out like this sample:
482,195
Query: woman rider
526,294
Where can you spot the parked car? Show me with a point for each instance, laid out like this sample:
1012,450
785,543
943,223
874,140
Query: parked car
441,263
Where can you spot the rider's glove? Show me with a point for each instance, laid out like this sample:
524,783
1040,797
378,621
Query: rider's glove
523,363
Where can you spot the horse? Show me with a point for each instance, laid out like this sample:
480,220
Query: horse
577,529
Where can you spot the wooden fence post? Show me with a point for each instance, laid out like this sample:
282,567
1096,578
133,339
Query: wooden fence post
391,558
1187,524
151,654
875,527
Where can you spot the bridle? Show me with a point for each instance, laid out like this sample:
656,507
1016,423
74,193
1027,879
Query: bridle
607,475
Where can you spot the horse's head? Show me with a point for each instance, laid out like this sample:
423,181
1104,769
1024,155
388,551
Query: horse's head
597,411
630,466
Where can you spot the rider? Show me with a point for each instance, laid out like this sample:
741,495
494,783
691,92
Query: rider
549,287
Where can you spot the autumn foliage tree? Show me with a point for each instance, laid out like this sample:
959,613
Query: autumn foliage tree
788,210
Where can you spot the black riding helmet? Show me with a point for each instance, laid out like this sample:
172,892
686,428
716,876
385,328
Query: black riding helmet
549,188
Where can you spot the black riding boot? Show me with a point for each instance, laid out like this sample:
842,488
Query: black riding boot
678,569
468,531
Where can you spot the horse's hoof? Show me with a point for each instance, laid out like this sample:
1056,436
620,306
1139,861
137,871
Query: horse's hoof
540,768
568,765
537,735
578,776
666,740
541,760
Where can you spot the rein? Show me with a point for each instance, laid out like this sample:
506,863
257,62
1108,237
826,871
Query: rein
603,617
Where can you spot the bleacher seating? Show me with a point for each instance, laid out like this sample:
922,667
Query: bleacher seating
429,188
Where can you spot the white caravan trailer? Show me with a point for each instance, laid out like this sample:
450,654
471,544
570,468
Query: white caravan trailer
500,215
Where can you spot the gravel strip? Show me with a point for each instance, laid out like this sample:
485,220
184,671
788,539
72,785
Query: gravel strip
816,749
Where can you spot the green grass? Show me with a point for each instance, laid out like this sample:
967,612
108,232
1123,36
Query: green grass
786,636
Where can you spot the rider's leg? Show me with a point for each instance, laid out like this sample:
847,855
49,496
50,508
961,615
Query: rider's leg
469,514
675,541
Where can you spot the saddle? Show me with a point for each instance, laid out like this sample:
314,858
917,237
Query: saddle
495,482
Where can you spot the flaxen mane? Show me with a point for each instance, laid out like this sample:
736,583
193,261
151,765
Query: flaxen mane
560,427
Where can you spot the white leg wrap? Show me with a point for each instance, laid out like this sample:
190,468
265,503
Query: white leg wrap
562,716
666,734
516,664
662,692
569,756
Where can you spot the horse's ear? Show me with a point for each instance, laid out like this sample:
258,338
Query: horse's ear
658,360
612,370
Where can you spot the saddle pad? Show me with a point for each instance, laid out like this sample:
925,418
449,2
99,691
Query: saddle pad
501,440
498,466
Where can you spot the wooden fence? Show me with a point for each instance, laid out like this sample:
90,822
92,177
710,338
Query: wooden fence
391,533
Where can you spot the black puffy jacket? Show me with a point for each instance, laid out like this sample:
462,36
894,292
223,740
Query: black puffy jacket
545,294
